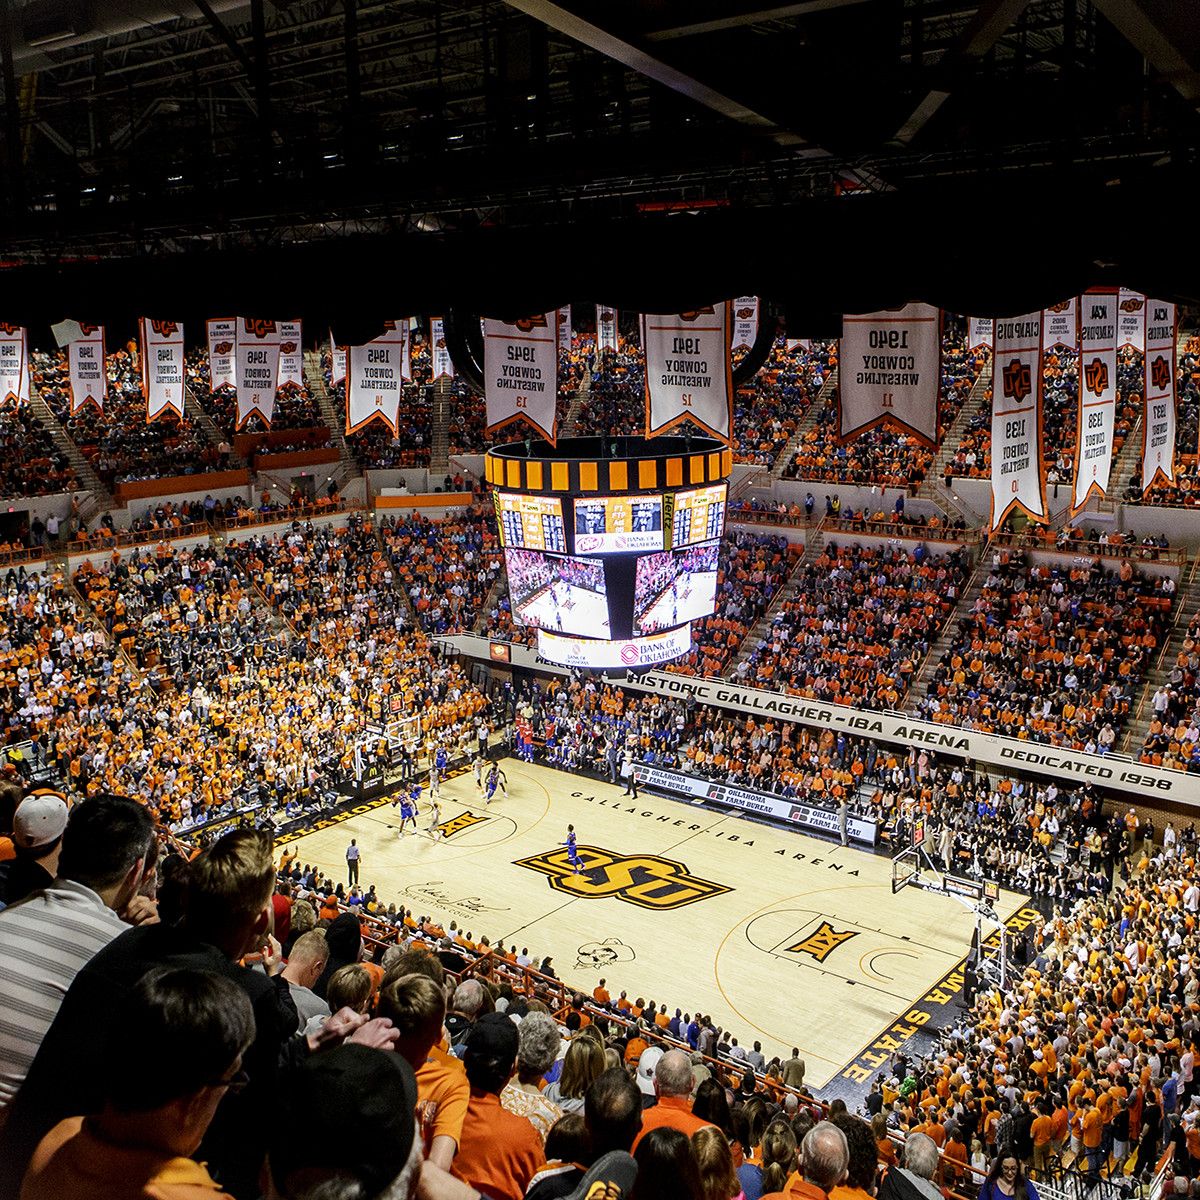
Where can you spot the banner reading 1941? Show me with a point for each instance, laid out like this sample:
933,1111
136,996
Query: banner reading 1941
256,369
520,372
688,372
1097,396
222,342
85,368
1017,479
1158,424
375,378
162,367
888,371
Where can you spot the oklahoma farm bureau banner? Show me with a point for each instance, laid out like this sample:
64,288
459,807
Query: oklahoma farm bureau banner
1017,419
688,372
520,372
888,371
1097,397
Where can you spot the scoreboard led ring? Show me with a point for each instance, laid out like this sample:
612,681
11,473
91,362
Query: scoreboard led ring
611,544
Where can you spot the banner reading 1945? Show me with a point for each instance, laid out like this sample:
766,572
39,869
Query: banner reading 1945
1017,477
1097,396
222,342
162,367
888,371
688,372
85,368
520,372
375,378
1158,424
256,369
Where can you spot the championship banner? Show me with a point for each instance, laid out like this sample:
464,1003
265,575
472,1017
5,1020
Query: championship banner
399,333
979,333
291,354
13,367
793,344
1131,321
1060,325
1017,420
745,322
689,376
889,368
85,368
564,329
375,378
443,364
337,362
1158,424
162,367
222,341
1097,397
520,373
256,369
606,329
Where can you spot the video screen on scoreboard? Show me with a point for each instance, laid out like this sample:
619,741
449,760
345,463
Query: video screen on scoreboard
673,587
698,515
612,524
559,593
530,522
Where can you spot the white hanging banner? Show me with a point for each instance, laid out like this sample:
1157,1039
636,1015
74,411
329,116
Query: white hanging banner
85,368
979,333
606,329
889,368
222,342
1017,420
1060,325
162,367
13,365
399,333
793,344
1131,321
564,329
1158,424
745,322
520,373
337,362
256,369
689,376
443,364
291,354
1097,396
375,378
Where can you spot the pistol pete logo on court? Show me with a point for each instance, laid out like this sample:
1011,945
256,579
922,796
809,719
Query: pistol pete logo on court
642,879
464,820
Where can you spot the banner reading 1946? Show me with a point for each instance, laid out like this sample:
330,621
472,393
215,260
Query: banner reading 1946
85,368
688,372
520,372
1158,424
162,367
1097,396
1017,479
888,371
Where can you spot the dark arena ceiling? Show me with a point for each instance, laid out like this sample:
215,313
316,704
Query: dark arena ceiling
829,154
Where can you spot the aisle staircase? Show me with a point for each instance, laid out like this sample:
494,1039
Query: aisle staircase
571,420
195,411
314,377
1127,462
498,588
102,498
439,419
807,423
933,486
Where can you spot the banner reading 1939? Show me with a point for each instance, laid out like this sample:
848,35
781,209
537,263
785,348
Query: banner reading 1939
688,371
1017,479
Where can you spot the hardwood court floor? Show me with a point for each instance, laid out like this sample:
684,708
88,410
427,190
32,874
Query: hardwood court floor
780,937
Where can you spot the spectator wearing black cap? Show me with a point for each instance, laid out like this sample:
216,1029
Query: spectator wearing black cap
500,1152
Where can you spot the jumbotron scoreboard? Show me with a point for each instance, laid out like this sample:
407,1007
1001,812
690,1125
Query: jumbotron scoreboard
611,546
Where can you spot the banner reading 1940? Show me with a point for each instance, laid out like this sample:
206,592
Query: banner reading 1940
1158,424
520,372
85,368
1017,479
688,371
888,371
1097,396
256,369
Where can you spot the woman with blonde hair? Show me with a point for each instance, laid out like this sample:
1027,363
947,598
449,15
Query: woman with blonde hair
718,1179
778,1156
584,1062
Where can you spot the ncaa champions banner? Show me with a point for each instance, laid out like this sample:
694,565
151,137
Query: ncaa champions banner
1158,424
1131,321
85,368
291,354
979,333
1060,325
1097,397
162,367
520,373
256,369
745,322
443,364
13,366
689,376
222,342
564,329
889,366
1017,420
606,329
375,378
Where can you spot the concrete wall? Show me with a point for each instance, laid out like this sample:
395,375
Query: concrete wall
43,506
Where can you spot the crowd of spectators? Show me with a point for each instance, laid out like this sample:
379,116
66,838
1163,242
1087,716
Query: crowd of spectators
616,399
30,463
1185,491
1173,736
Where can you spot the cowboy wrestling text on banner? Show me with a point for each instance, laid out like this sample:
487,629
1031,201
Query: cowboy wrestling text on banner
564,329
222,341
888,369
85,368
1097,397
688,372
256,369
520,372
375,378
291,354
745,322
606,328
1017,419
1131,321
443,364
162,367
12,363
979,333
1158,424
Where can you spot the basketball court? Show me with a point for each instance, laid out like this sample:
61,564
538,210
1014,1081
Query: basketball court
779,936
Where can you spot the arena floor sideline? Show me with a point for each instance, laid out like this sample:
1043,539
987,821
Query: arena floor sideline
779,936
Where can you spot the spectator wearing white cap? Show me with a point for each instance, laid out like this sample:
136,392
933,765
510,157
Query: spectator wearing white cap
38,827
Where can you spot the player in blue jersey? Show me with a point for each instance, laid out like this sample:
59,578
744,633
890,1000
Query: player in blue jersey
408,808
573,854
495,779
441,760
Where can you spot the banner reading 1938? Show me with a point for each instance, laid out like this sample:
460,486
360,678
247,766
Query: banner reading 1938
688,371
1017,479
1097,396
520,372
888,371
1158,424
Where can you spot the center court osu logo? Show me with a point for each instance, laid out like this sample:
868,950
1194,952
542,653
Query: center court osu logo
1160,374
1016,380
1095,377
642,879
